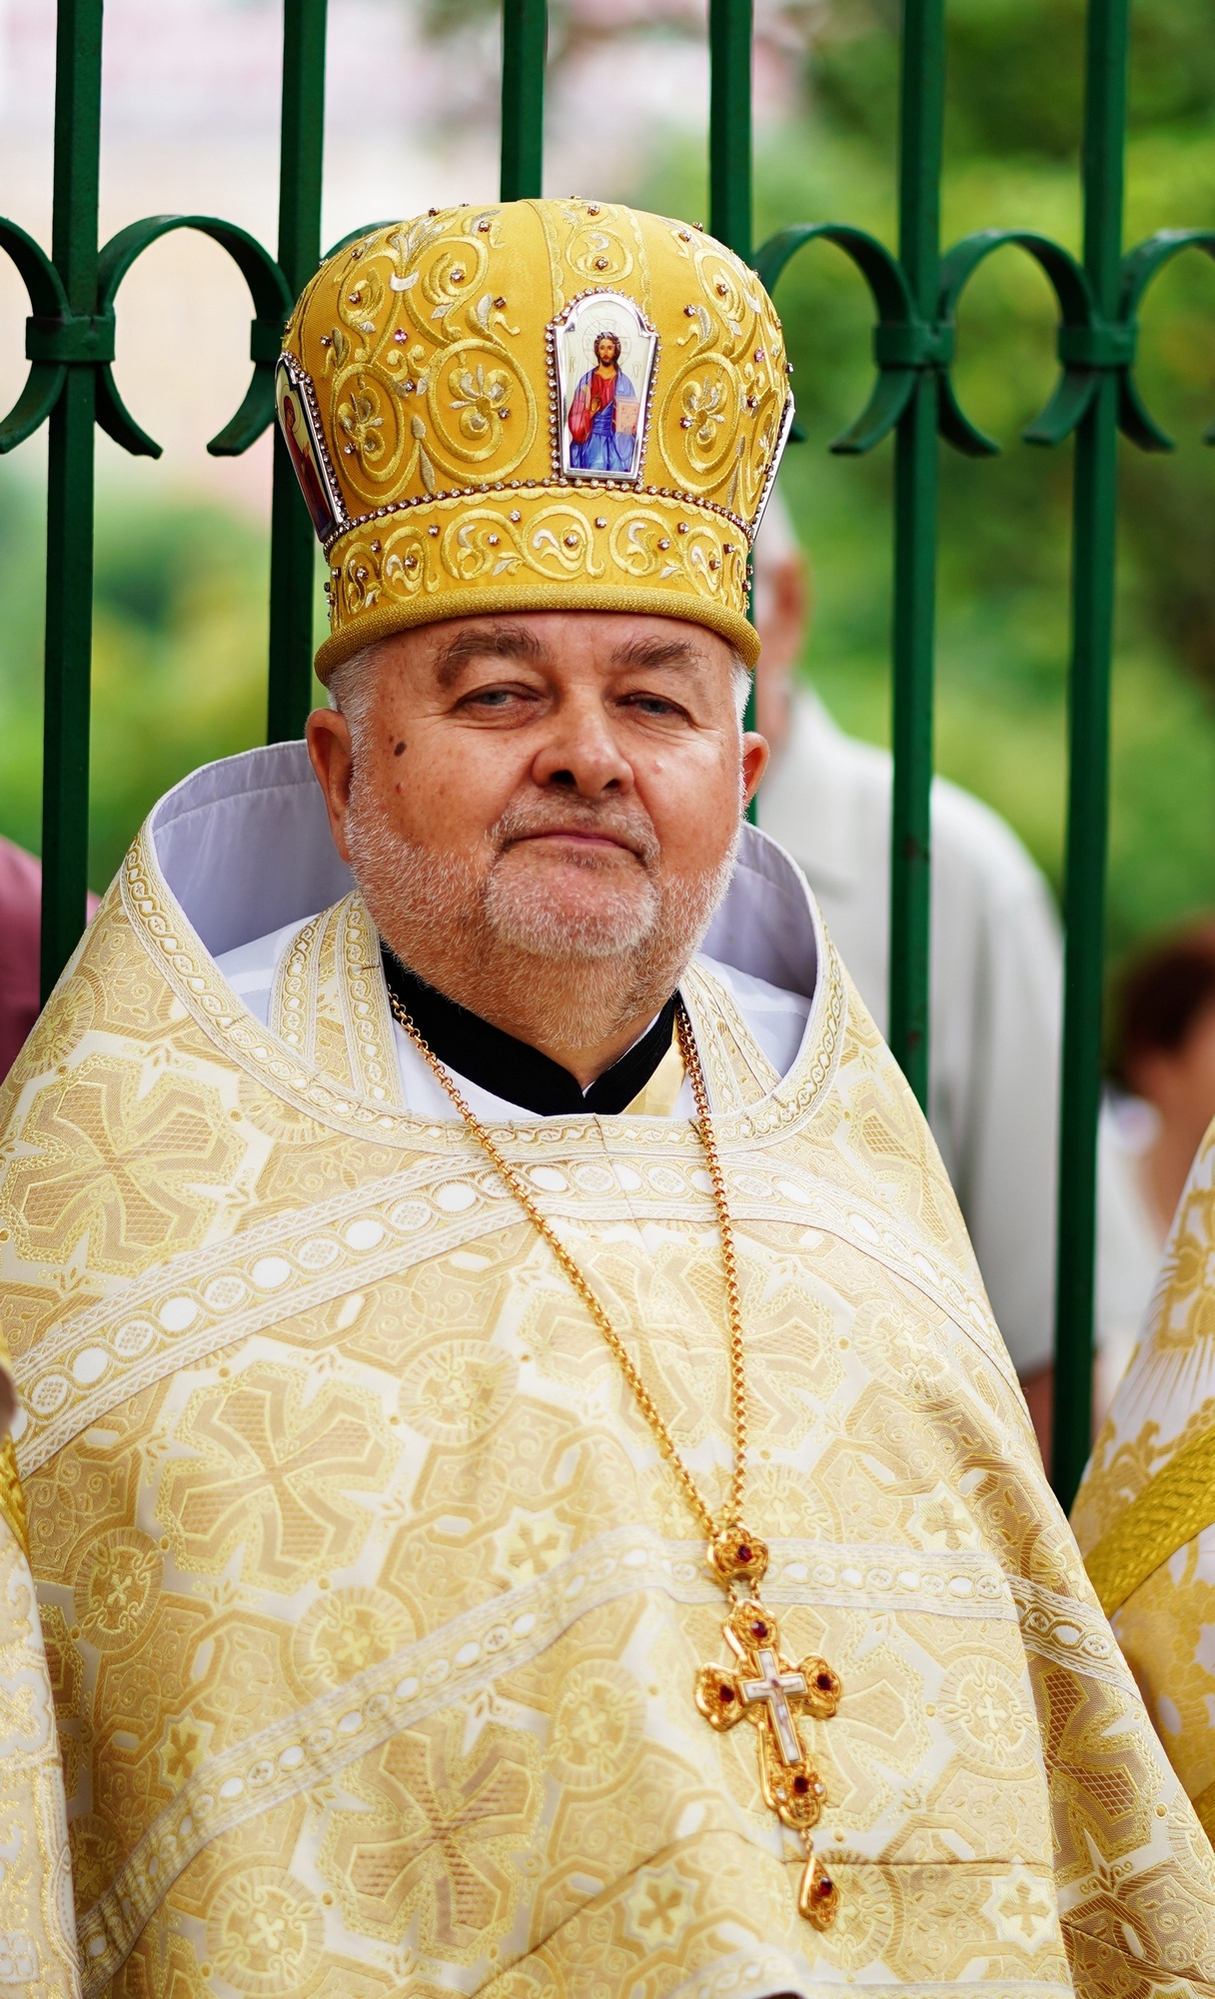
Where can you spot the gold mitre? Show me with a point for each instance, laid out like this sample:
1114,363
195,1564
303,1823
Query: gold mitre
534,405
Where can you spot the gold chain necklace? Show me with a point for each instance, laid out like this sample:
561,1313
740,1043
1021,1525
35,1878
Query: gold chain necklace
761,1684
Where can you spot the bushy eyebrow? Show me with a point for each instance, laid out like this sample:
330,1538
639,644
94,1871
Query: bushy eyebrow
653,652
485,642
519,642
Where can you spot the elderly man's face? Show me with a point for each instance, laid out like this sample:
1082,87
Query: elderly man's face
564,786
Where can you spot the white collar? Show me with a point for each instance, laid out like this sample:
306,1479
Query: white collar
245,847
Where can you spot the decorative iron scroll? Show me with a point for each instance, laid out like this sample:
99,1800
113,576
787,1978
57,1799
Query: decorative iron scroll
904,343
56,339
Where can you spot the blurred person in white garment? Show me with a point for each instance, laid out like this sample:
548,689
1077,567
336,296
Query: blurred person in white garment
996,981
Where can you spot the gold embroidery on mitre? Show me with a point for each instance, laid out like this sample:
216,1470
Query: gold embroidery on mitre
428,428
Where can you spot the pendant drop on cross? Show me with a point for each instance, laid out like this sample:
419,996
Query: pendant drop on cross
765,1688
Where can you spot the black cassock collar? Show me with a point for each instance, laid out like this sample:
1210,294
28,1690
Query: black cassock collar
511,1069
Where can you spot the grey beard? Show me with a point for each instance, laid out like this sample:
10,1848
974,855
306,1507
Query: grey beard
521,916
506,950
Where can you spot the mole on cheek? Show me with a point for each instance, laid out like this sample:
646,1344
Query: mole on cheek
398,749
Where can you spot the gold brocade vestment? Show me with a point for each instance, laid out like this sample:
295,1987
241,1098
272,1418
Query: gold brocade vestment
37,1956
379,1616
1145,1511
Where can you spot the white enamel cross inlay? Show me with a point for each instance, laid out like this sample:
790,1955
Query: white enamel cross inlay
775,1687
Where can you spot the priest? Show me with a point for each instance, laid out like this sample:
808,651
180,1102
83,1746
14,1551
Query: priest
1145,1511
523,1480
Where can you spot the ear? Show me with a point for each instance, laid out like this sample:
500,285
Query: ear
329,750
754,763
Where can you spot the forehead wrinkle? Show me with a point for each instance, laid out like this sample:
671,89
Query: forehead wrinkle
486,642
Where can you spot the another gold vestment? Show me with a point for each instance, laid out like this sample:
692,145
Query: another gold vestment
37,1953
1145,1512
378,1614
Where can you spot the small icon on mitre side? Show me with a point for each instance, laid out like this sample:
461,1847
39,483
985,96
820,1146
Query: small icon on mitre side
301,430
604,352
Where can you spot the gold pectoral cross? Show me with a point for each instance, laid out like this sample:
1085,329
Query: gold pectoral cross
765,1688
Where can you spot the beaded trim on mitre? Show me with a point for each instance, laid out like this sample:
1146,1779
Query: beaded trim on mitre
351,522
520,539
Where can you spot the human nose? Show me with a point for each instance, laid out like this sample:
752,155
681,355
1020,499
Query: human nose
580,752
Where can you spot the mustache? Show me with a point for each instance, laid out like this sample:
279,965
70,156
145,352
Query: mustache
630,825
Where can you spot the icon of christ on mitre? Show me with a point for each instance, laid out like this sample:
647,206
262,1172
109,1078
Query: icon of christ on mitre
603,414
524,1491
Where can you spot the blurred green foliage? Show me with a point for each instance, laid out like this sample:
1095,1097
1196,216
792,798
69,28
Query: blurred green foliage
179,666
181,588
1015,72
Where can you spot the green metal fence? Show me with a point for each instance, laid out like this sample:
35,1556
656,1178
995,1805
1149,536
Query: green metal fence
70,345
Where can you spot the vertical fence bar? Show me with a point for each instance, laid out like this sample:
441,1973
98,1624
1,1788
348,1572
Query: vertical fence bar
921,113
524,48
69,513
1095,509
730,197
730,124
292,541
